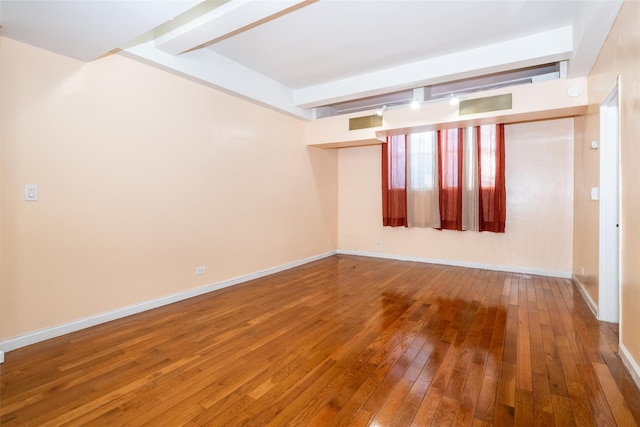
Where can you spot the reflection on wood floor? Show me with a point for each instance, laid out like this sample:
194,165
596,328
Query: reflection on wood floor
342,341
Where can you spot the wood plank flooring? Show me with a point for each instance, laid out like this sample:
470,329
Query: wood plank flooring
344,341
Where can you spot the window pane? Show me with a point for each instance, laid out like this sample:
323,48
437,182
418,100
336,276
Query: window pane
421,157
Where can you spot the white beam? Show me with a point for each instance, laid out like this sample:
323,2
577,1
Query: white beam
547,47
212,69
229,18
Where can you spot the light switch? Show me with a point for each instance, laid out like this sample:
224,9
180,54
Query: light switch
31,192
595,193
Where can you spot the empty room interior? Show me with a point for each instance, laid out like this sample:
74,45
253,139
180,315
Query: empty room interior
367,213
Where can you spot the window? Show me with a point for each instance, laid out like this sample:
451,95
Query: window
450,179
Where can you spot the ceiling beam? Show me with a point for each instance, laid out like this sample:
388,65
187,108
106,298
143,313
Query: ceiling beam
541,48
228,19
207,67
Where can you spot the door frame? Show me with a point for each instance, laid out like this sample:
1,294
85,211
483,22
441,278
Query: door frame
609,209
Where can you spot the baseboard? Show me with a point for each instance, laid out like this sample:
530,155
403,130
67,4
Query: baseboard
505,268
1,356
76,325
592,305
630,364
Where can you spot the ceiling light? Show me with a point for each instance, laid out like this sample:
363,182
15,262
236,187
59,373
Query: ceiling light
415,104
380,111
454,100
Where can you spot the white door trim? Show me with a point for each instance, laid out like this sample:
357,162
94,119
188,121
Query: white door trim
609,212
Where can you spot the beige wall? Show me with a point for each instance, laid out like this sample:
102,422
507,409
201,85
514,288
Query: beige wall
586,211
539,231
619,56
143,176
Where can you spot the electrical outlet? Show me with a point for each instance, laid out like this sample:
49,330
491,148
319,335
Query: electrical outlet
200,270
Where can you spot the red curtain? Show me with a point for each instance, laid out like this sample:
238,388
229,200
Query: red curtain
491,189
491,178
394,181
450,182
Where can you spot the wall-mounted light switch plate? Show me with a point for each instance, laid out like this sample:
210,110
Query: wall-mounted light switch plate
31,192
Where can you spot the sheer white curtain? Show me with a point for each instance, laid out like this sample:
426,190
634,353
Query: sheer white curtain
423,208
470,189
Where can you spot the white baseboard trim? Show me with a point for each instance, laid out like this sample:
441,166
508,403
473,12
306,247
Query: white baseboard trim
592,305
1,356
505,268
76,325
630,364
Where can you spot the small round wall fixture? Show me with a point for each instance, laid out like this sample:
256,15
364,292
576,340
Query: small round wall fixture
574,91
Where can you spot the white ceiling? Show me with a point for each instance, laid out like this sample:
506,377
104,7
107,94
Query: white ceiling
293,55
84,29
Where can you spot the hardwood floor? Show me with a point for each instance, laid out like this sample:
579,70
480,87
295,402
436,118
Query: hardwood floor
345,341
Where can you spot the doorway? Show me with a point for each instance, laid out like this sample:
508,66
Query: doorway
609,227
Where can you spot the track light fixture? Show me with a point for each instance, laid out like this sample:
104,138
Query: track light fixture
380,111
